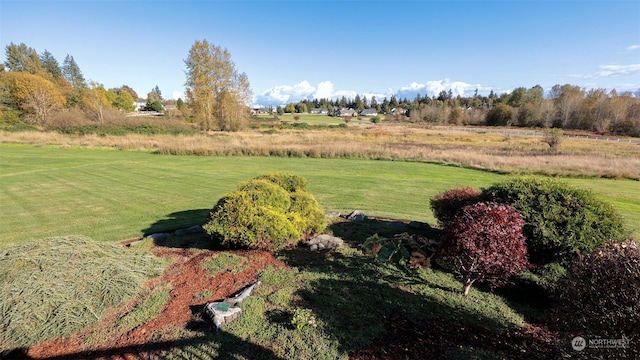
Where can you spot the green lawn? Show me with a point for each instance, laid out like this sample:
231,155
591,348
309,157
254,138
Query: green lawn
109,195
312,119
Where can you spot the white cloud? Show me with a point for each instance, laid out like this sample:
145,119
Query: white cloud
633,47
617,70
434,87
284,94
612,71
324,90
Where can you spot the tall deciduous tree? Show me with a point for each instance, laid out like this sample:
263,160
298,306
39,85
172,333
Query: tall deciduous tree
215,91
35,96
124,101
95,101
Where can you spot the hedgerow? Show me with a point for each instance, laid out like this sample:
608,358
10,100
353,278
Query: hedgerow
561,220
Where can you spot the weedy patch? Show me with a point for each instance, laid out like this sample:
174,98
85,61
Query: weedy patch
225,261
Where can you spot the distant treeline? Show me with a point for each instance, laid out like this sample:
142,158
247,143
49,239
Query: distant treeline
36,89
564,106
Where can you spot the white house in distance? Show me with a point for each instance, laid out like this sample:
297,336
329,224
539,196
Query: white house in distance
369,112
344,112
319,111
140,104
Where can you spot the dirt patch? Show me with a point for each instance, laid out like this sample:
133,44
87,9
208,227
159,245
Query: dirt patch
187,279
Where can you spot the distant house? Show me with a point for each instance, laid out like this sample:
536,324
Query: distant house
140,105
398,111
319,111
344,112
260,110
369,112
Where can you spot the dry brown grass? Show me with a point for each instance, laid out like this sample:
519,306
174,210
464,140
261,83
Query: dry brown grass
519,154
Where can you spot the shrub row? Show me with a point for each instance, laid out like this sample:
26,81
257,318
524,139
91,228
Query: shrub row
560,221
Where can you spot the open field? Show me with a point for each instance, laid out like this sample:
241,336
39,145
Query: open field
115,188
486,151
312,119
110,195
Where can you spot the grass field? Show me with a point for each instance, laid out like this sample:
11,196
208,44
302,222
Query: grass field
111,195
312,119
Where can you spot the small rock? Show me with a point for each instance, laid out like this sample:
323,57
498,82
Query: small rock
357,215
334,214
322,242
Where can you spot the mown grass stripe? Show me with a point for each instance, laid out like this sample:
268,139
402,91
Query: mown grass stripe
111,195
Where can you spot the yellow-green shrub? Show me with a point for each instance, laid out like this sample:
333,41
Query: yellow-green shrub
269,212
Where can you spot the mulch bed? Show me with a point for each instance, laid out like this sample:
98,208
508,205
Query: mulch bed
187,278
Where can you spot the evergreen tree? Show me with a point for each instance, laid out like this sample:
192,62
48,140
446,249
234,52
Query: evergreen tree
22,58
50,64
71,72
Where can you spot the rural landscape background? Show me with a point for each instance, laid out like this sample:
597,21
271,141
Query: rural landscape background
110,176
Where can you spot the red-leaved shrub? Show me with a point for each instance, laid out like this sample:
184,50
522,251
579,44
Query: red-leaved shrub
484,242
445,205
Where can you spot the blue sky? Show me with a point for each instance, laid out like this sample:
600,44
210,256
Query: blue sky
295,49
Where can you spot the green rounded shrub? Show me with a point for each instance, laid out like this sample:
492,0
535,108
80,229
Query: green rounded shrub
561,220
289,182
266,193
263,214
237,220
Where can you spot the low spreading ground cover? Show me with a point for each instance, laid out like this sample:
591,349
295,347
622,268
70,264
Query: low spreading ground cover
59,285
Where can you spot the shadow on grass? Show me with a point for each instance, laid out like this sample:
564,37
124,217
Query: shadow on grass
178,220
357,298
228,346
356,232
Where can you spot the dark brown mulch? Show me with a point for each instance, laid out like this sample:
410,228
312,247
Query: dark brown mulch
451,339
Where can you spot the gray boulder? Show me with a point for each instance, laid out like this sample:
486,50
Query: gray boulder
324,242
357,215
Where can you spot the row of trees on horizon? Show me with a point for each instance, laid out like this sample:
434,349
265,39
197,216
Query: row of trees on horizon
34,86
564,106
